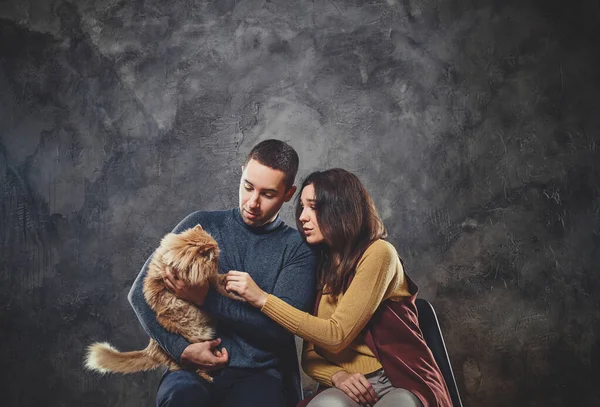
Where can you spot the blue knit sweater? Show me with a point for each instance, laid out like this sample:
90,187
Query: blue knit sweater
276,258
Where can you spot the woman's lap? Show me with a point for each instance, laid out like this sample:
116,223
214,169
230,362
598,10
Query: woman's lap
336,398
389,396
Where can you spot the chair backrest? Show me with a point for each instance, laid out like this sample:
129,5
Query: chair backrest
433,336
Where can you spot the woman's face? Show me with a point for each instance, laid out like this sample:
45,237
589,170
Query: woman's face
308,217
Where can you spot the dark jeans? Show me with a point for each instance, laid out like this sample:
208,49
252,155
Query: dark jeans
231,387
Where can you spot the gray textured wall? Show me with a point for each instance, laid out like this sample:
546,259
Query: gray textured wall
473,123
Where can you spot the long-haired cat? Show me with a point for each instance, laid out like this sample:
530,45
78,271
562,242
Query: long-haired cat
194,254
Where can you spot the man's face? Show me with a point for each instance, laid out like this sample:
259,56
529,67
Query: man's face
262,192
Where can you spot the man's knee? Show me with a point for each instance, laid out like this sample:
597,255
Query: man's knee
181,390
258,389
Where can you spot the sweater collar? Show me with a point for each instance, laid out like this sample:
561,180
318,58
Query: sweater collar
269,227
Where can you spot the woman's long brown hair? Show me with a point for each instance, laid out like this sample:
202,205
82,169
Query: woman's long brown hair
349,222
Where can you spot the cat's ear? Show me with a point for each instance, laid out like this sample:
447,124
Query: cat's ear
198,227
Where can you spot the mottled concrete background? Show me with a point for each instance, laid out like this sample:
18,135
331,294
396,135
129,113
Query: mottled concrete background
473,123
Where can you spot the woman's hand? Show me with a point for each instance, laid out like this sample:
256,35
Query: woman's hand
356,386
242,284
191,293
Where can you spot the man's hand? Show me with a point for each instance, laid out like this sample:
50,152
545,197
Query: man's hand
243,285
205,355
356,386
191,293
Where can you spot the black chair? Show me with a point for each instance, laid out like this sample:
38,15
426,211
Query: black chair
432,334
433,337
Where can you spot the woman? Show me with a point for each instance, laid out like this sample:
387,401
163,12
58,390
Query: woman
364,300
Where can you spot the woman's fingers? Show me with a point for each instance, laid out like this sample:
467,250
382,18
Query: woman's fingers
235,273
349,393
367,389
237,279
241,283
353,393
359,394
358,388
234,286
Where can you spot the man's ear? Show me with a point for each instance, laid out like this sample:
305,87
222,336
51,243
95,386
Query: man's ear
289,193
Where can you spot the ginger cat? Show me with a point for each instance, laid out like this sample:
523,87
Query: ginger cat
194,254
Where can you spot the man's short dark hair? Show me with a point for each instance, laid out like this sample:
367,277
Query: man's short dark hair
277,155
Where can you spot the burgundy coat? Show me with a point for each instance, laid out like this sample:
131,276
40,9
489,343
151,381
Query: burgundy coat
394,337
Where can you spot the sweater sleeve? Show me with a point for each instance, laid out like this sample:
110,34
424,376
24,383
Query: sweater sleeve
294,287
374,273
171,343
316,366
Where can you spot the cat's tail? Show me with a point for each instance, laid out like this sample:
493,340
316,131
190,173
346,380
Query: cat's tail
103,358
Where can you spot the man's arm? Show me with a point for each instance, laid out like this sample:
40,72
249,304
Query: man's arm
295,285
173,344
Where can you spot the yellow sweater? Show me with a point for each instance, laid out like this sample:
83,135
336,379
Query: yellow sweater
333,339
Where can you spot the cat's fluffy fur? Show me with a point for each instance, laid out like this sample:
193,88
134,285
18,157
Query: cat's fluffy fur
194,254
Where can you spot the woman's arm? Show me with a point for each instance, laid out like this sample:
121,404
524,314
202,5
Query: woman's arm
316,366
378,267
356,385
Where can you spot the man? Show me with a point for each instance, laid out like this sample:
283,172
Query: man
257,365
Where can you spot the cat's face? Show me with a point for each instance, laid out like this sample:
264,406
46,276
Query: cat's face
193,253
